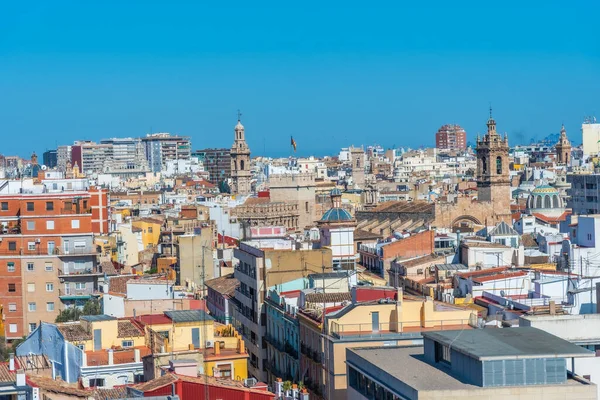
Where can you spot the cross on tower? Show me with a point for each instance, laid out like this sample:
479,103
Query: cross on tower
239,115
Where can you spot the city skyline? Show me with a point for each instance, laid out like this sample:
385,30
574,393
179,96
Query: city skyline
328,78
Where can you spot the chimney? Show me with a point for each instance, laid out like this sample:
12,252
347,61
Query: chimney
111,357
552,305
241,346
11,362
217,348
21,378
136,355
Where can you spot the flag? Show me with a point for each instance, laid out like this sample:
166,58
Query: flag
293,143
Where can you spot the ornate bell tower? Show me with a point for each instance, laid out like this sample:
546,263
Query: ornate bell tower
563,148
493,183
240,161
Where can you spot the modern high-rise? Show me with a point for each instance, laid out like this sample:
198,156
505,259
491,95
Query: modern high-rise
217,162
63,157
163,147
127,154
590,135
49,158
451,137
91,157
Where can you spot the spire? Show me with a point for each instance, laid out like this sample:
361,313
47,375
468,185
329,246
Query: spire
563,131
491,124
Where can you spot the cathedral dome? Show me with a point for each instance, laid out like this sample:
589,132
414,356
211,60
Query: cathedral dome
544,199
336,214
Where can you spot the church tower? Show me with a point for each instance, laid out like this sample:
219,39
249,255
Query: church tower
563,148
240,162
493,183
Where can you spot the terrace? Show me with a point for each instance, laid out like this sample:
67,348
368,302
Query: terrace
383,330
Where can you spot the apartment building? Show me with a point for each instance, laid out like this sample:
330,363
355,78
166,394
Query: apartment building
91,157
217,162
162,147
47,257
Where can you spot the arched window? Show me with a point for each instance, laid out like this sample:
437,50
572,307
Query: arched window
566,157
483,166
556,202
538,202
242,165
499,165
547,202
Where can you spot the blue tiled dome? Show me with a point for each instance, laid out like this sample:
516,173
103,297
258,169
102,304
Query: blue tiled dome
336,192
337,214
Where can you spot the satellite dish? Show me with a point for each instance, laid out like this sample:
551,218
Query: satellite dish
44,167
502,293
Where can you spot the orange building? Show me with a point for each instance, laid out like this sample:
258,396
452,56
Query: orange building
48,260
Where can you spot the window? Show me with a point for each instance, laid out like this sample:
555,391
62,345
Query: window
30,206
12,287
50,306
498,165
483,166
30,245
96,382
32,327
31,307
127,343
68,206
12,328
49,206
79,285
4,206
75,224
12,245
49,225
31,287
30,225
49,287
442,353
30,266
589,236
149,229
12,307
81,347
48,266
10,266
164,334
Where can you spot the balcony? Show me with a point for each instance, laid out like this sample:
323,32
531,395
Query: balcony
51,251
76,211
275,343
78,271
72,293
291,350
368,330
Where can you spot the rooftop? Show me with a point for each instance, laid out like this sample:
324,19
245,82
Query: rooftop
225,284
188,316
507,344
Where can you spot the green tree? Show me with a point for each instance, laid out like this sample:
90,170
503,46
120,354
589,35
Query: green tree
92,307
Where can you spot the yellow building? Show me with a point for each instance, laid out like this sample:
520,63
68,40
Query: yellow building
102,332
382,322
150,230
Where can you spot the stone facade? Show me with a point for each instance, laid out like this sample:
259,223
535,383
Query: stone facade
268,214
357,156
563,148
295,189
493,187
240,163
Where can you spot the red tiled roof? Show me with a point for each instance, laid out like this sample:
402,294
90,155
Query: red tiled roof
499,276
552,220
6,375
100,357
153,319
488,271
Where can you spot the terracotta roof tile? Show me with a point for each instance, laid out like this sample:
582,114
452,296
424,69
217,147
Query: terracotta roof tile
6,375
224,285
117,392
57,386
328,297
127,329
74,332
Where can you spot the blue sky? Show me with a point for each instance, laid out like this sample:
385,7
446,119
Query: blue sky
329,74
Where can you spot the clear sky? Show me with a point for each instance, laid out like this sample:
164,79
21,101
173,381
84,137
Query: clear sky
329,73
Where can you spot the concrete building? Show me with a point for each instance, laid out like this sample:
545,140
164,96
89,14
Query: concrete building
63,157
474,364
162,147
219,301
590,135
357,157
584,194
376,316
217,162
260,269
91,157
49,158
451,137
240,162
297,189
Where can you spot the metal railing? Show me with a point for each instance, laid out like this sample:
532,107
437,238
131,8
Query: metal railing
75,292
78,271
394,328
50,251
74,210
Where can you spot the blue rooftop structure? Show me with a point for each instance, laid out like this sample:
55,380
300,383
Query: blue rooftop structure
336,215
335,192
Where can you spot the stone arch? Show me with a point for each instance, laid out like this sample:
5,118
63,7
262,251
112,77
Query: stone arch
547,201
498,165
468,218
538,201
555,201
242,165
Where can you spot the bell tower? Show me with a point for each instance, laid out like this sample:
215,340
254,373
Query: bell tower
563,148
493,182
240,161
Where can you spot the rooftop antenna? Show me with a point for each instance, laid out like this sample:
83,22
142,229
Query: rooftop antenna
490,110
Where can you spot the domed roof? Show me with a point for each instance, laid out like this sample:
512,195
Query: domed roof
336,215
336,192
544,189
239,126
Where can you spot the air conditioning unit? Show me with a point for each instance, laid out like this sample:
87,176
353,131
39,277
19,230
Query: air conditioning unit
250,382
210,343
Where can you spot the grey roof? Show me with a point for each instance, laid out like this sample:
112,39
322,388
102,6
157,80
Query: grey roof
503,229
508,343
94,318
188,316
451,267
334,274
